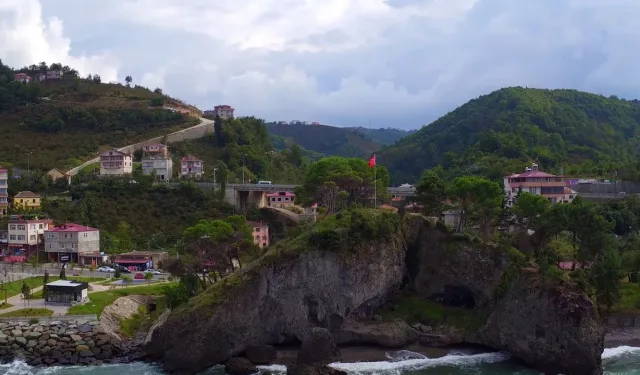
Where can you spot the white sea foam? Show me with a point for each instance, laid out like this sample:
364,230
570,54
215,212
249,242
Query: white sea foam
619,351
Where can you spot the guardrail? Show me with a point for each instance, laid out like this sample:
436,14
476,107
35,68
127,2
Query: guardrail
61,318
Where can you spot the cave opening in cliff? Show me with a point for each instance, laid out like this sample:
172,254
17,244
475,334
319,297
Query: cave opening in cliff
455,296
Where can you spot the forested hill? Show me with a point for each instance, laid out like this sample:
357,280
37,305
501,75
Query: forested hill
61,122
330,140
503,131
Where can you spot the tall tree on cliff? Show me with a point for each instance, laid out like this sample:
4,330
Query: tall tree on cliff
479,201
431,193
217,128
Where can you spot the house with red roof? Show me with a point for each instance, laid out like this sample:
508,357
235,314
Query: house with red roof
73,243
281,199
536,182
22,77
191,167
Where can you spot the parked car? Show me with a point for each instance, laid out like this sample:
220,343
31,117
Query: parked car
153,272
106,269
139,276
123,269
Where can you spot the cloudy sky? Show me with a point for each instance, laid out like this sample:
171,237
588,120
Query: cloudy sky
396,63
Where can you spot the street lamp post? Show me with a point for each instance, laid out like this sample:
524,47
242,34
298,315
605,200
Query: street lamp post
214,175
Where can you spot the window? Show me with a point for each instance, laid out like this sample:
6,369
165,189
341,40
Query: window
86,235
257,229
62,246
32,226
12,227
34,201
40,226
12,237
32,237
22,227
50,235
20,237
264,244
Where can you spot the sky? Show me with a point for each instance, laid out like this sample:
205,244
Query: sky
378,63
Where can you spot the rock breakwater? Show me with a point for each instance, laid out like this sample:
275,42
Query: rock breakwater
59,343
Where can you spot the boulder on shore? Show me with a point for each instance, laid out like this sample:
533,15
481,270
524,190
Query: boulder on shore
261,354
317,351
239,366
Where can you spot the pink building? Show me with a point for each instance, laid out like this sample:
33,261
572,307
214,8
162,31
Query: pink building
26,236
22,77
224,111
260,234
537,182
191,166
157,149
281,199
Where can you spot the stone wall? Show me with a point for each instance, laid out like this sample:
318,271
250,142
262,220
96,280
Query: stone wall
58,343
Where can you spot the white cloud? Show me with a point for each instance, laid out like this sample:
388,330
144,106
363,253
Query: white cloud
345,62
26,38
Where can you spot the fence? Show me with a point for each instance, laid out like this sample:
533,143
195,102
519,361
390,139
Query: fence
62,318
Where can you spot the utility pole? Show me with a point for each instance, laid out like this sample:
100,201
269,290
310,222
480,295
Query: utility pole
29,161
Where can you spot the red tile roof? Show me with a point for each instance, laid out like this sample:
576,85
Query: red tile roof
281,194
72,227
190,158
531,174
27,194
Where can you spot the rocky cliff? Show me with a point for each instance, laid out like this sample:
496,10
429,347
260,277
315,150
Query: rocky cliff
549,324
313,281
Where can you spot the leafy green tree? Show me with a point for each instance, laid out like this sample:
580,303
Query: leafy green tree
45,281
528,209
479,201
128,80
148,277
217,128
431,193
63,272
605,275
123,239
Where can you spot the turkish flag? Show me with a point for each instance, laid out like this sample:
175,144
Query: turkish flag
372,161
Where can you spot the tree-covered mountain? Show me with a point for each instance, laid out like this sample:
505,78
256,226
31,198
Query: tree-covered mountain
330,140
62,121
498,133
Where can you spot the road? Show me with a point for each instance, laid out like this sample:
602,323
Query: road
173,137
18,272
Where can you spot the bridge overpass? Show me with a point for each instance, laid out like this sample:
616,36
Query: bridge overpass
245,195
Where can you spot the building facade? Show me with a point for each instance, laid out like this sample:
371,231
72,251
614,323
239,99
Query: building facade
73,243
260,234
26,237
537,182
116,163
4,191
156,158
224,111
26,200
281,199
22,77
191,167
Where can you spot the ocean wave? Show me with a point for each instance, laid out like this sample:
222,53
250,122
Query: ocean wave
417,364
619,351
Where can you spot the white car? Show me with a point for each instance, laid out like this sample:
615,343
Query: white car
106,269
153,272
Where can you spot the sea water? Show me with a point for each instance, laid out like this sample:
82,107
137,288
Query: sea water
622,360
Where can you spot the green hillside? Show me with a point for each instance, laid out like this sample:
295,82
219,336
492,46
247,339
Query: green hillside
61,123
327,140
503,131
383,136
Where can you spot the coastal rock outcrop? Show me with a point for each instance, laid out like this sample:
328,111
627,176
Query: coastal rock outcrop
547,323
395,334
317,351
549,326
279,300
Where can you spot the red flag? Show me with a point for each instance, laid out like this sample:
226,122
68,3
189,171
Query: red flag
372,161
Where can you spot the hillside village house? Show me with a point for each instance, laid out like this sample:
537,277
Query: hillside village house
260,234
191,167
224,111
537,182
26,200
22,77
26,236
115,163
281,199
4,191
156,158
141,260
73,243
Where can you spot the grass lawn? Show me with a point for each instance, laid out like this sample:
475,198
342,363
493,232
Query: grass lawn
15,287
629,299
99,300
5,305
29,312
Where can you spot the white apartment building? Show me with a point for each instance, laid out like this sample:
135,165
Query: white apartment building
26,236
156,158
115,163
4,194
191,167
73,243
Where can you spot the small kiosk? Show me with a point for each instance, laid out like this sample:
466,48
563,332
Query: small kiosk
66,291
